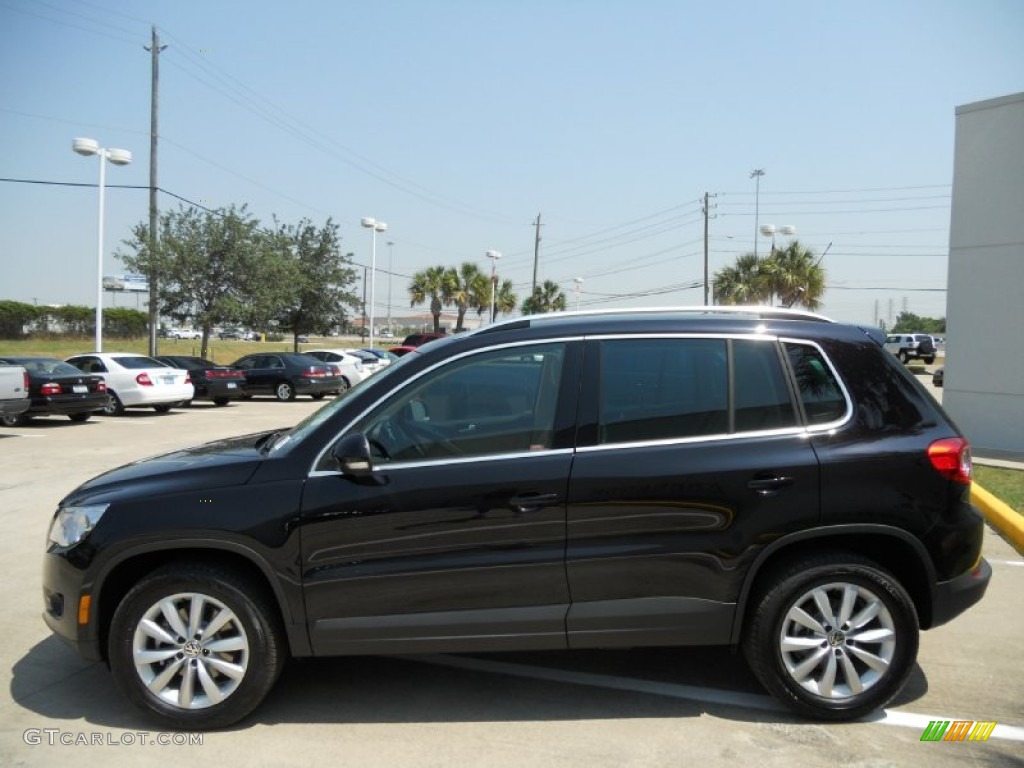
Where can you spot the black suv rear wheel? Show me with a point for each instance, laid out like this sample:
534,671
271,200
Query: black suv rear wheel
195,646
834,637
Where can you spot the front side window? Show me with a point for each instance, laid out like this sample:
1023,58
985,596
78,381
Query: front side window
495,402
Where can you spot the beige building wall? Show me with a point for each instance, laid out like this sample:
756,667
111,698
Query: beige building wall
984,384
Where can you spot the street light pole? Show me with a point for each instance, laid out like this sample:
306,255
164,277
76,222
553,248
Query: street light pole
88,147
391,263
756,175
579,283
493,256
375,227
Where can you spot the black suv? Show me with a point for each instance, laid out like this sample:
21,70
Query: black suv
763,479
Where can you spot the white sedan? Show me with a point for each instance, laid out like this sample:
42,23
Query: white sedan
136,381
352,370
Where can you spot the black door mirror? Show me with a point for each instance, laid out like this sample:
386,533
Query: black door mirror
352,453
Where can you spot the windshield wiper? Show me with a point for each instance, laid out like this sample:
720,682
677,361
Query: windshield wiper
266,442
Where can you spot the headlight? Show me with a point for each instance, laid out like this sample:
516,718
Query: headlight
72,524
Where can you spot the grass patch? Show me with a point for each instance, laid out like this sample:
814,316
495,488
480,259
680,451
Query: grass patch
1007,484
223,352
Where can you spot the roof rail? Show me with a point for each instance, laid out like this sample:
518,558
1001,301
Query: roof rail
760,312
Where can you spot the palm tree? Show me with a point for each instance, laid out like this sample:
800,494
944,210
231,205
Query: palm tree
433,284
505,299
546,298
470,288
795,276
742,283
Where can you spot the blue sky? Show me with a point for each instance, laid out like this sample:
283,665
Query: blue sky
457,122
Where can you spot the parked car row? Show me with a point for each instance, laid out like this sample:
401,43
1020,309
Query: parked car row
110,382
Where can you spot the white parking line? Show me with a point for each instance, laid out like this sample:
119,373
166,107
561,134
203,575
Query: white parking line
1007,562
687,692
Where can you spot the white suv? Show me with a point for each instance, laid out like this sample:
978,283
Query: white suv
908,346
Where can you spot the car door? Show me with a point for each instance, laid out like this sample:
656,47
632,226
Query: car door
691,458
260,373
457,542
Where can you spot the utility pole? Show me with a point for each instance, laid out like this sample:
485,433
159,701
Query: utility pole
536,251
154,308
706,208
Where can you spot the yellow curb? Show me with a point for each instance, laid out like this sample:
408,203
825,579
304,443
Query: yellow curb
1000,514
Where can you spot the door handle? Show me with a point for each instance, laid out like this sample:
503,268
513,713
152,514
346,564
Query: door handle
530,502
768,486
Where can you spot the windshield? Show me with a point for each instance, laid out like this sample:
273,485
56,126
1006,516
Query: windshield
310,424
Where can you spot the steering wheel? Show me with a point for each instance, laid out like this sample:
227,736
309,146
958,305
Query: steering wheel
425,433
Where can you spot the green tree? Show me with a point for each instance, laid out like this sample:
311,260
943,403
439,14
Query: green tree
470,288
214,267
742,282
505,298
794,276
545,298
433,284
15,318
322,279
791,274
908,322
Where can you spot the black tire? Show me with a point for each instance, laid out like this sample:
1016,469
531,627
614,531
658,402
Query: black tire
928,360
221,400
115,407
788,671
162,408
79,417
319,395
284,391
14,419
904,357
253,640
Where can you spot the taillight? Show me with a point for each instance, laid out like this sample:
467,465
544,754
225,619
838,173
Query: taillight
50,388
315,372
215,374
144,380
951,457
25,382
101,386
188,378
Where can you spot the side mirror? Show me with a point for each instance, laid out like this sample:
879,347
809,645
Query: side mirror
352,453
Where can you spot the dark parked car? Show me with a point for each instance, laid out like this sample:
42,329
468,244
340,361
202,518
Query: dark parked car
57,388
762,479
419,339
218,383
286,375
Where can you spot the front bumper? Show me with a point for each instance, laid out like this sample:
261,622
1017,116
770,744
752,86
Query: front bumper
63,588
953,597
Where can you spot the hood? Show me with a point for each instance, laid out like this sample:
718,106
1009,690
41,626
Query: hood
212,465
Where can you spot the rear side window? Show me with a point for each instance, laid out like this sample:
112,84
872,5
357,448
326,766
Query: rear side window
820,393
655,389
762,399
663,389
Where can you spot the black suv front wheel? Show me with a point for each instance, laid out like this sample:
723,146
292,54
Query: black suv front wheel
834,636
196,646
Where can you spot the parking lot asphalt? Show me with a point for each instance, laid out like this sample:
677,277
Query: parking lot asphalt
645,707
